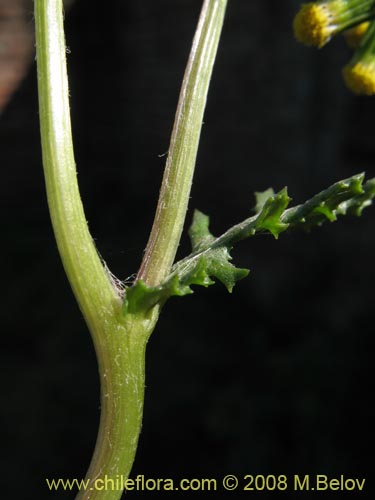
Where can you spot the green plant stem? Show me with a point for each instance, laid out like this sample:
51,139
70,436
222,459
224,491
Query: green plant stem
176,185
120,341
91,284
122,397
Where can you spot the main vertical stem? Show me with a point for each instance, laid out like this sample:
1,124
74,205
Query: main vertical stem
120,342
176,185
122,398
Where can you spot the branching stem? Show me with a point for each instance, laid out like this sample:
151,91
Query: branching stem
120,340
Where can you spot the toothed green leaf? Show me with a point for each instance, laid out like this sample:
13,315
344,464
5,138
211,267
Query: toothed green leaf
261,197
220,267
327,205
358,203
269,217
199,233
210,257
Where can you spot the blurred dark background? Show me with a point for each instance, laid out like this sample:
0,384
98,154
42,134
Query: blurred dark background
273,379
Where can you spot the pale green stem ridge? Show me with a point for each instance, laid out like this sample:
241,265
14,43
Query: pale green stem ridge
120,344
175,190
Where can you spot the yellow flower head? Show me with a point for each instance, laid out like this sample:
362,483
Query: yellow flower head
354,35
359,74
317,22
312,24
360,77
